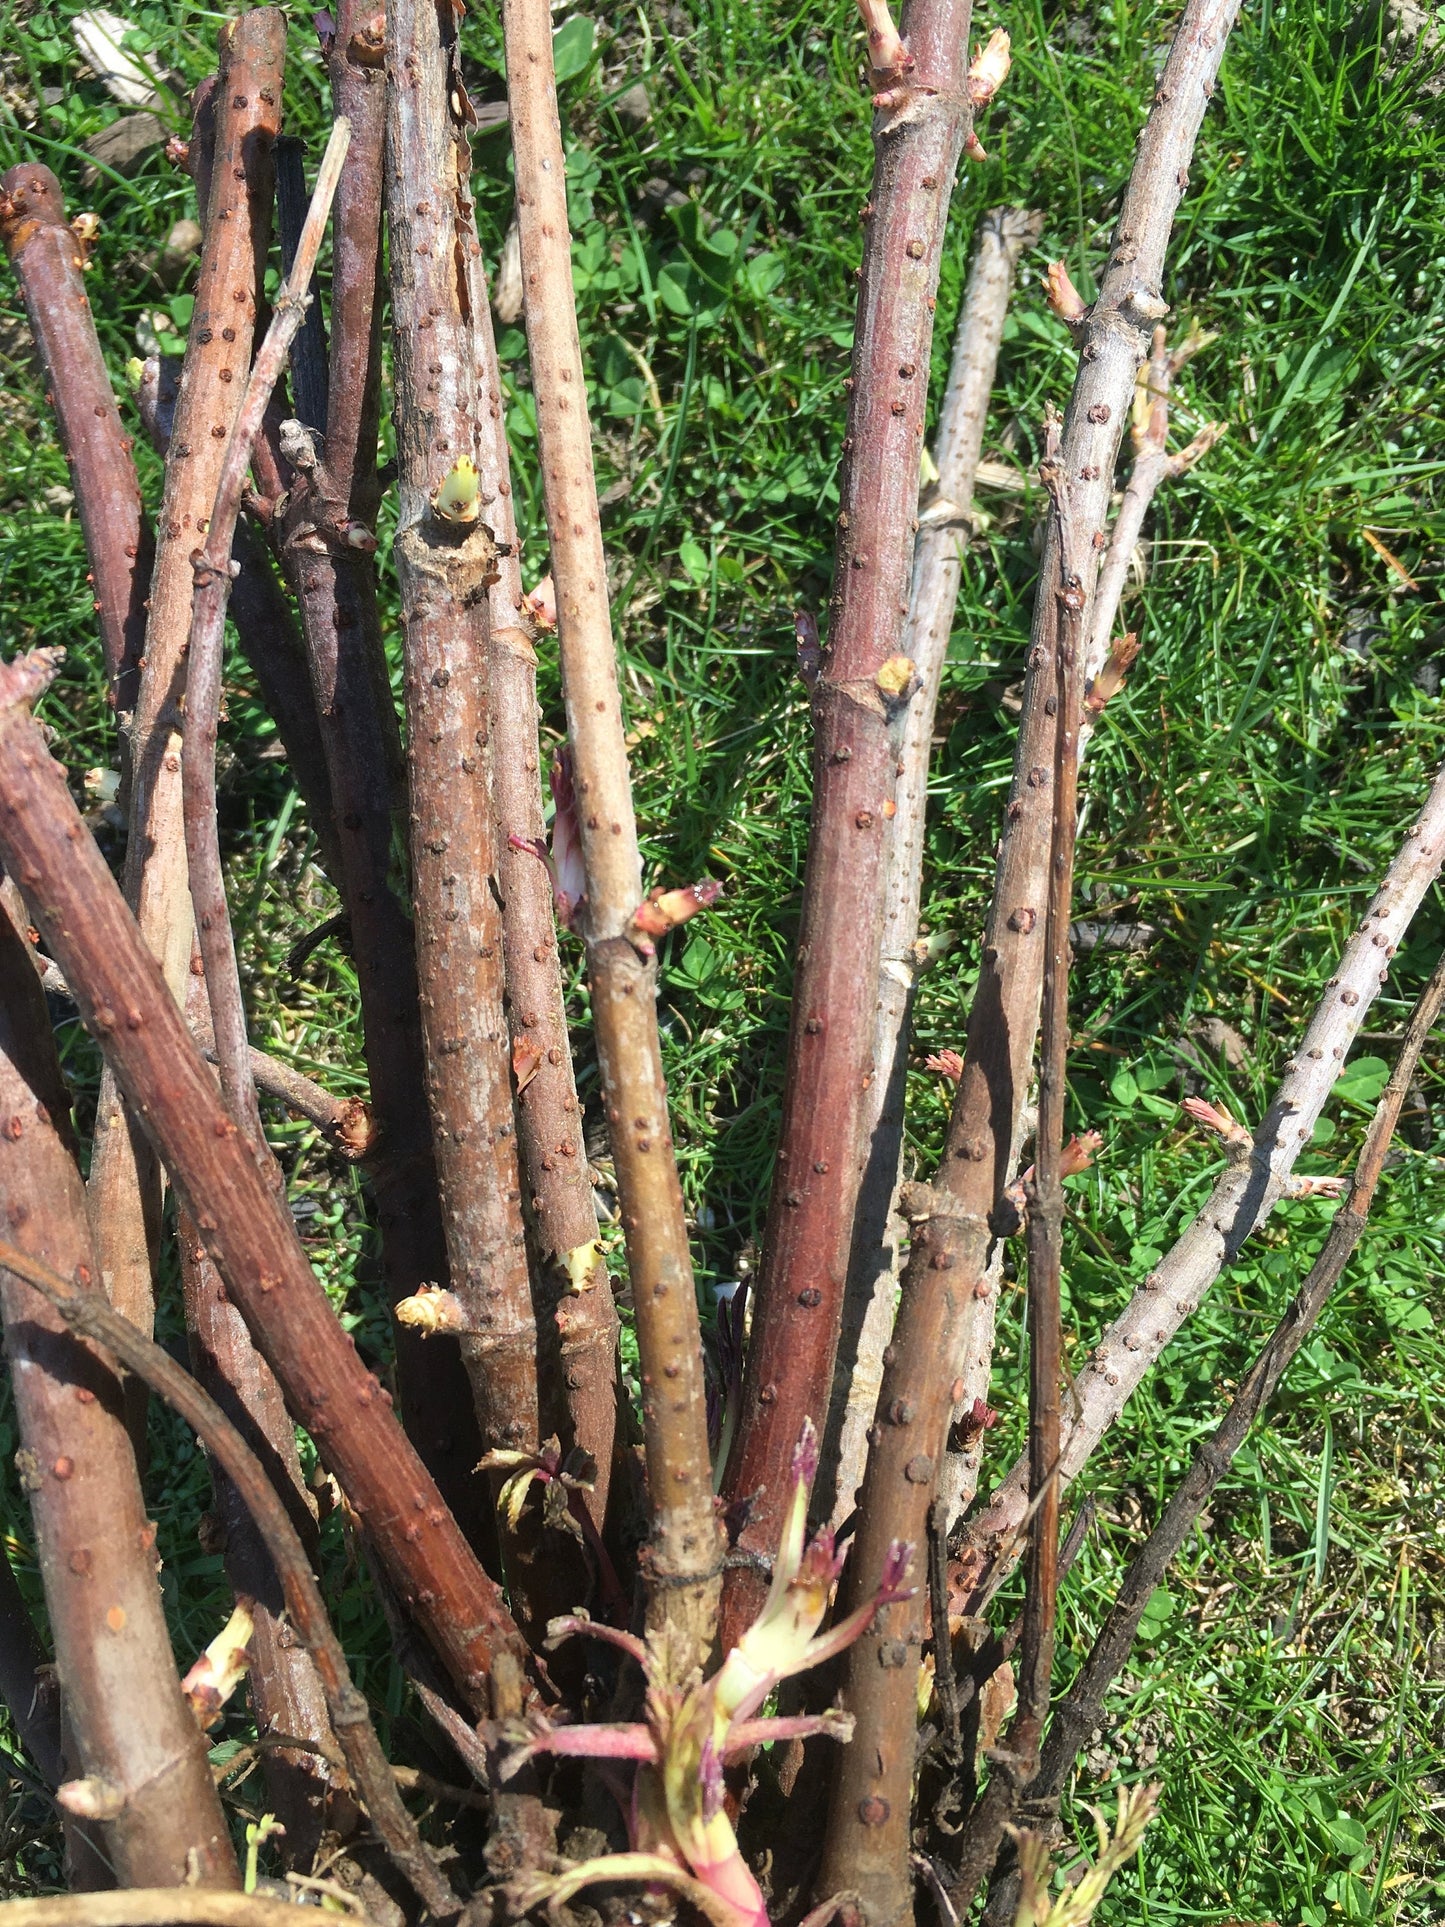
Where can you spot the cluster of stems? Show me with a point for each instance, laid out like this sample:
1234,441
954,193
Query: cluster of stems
495,1494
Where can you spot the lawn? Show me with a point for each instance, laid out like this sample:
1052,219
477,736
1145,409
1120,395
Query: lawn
1243,793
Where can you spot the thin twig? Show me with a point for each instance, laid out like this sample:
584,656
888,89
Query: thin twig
1081,1711
985,1825
203,676
1153,466
1247,1191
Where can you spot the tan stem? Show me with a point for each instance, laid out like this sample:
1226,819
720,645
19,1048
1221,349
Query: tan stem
685,1551
577,1319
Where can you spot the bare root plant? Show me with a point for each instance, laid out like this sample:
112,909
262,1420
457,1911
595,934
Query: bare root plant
581,1602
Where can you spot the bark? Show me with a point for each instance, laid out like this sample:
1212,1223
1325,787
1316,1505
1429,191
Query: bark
1004,234
577,1319
149,1907
286,1695
684,1555
245,1226
140,1754
213,378
326,548
49,264
287,1691
27,1679
443,562
1247,1192
87,1314
858,703
1153,466
1081,1711
946,1277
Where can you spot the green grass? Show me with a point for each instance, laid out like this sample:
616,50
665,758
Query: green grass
1251,781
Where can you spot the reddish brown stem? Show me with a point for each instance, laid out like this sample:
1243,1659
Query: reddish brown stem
86,1314
858,702
443,565
265,625
213,379
49,264
142,1759
1004,234
684,1554
577,1319
332,509
286,1693
946,1278
1012,1776
246,1228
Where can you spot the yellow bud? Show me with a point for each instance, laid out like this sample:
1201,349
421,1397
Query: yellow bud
459,498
